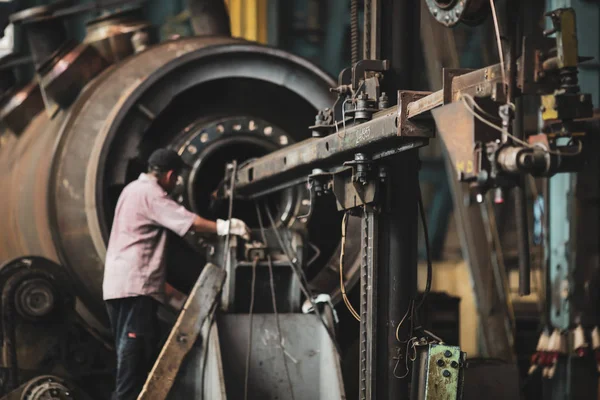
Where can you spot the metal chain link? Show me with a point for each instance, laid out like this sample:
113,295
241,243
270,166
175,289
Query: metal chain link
354,30
363,306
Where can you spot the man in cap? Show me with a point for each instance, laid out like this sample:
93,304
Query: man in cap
134,271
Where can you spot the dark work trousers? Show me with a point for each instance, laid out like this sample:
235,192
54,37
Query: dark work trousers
135,328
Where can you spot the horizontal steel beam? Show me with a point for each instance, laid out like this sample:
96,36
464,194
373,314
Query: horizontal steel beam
389,132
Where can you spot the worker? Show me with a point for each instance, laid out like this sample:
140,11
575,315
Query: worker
134,271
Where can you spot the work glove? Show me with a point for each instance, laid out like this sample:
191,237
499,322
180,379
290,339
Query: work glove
233,226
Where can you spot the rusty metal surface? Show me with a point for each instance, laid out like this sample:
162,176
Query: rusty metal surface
314,366
21,107
112,35
384,131
348,193
62,83
495,322
59,171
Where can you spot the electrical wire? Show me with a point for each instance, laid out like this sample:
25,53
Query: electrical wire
249,347
301,278
499,43
342,284
410,310
273,299
473,104
427,249
316,256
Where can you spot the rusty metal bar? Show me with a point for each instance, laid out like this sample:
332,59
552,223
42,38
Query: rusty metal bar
381,133
388,130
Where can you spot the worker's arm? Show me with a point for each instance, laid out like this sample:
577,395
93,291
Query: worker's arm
202,225
234,226
168,213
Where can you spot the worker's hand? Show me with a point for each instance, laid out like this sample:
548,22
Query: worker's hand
234,227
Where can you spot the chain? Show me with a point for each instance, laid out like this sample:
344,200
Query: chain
354,30
364,276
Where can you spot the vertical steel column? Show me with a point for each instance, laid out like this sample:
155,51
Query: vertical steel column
397,257
394,31
389,281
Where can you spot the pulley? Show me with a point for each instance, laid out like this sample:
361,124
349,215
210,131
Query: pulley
47,388
451,12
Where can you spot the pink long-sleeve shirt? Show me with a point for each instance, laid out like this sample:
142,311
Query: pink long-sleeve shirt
135,258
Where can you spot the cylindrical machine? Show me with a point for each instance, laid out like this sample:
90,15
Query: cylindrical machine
214,99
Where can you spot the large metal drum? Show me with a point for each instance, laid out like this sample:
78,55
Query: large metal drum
213,99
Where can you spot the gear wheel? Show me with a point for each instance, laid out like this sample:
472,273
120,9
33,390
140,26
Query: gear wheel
47,388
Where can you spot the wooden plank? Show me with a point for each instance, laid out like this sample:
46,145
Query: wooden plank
197,308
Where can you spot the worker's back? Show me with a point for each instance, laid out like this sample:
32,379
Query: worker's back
137,244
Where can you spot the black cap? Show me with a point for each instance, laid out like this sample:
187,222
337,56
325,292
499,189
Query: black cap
165,160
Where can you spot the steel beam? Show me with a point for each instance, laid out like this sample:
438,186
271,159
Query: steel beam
396,129
382,134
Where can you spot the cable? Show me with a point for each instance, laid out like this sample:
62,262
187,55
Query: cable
302,279
436,337
464,97
427,249
410,310
230,214
249,348
300,274
316,256
499,43
478,107
273,299
342,253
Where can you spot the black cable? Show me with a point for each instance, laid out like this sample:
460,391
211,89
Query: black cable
427,249
301,278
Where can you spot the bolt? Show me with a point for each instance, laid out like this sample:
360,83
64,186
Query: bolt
440,362
454,364
447,373
448,353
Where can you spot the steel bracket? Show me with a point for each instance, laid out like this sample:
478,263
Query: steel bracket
349,193
414,127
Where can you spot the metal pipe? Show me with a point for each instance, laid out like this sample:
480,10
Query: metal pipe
397,253
209,17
